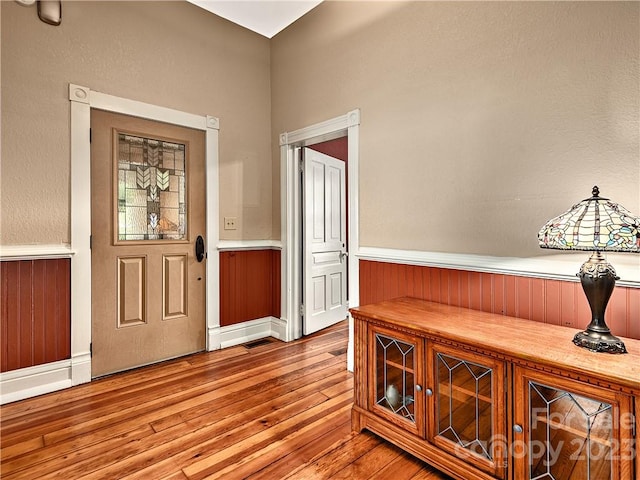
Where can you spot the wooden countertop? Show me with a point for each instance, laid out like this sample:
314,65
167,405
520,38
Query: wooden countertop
523,341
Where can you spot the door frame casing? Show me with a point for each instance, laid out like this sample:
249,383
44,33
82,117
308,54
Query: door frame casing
83,99
291,223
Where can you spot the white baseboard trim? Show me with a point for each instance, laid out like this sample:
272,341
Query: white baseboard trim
31,381
248,331
81,368
556,267
279,329
40,379
213,338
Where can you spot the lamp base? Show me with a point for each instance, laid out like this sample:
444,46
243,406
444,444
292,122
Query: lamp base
599,342
598,279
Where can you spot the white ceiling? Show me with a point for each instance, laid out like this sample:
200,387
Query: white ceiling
266,17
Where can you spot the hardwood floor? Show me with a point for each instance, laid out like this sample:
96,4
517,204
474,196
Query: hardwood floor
266,410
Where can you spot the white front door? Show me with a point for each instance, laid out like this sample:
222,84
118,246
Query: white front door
324,241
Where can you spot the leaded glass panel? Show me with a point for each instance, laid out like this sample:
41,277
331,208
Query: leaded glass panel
395,379
464,404
570,436
151,189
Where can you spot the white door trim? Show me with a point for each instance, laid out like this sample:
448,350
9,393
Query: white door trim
82,101
290,208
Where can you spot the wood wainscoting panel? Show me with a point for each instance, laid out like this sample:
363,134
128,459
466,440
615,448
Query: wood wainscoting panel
537,301
35,312
543,300
510,305
568,304
616,314
633,324
523,297
464,287
249,285
552,302
498,283
275,283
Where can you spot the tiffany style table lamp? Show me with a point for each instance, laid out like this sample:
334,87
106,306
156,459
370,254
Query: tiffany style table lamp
599,225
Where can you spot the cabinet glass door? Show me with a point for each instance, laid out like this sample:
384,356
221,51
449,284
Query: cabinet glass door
468,401
562,422
395,373
572,431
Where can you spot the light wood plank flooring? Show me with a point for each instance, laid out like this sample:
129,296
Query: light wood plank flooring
266,410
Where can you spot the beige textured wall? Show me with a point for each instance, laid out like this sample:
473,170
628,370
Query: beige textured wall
480,120
171,54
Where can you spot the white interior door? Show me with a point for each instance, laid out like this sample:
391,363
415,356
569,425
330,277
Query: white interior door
324,241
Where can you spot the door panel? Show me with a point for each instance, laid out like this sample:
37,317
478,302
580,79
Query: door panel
147,208
324,237
132,291
174,286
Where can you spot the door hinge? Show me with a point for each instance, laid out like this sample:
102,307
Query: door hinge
301,310
91,349
633,425
90,242
90,135
301,166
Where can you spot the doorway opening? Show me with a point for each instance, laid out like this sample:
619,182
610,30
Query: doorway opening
324,239
291,216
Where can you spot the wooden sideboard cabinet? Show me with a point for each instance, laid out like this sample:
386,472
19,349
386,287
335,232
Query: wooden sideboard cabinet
484,396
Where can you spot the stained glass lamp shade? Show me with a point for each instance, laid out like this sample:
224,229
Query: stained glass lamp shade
599,225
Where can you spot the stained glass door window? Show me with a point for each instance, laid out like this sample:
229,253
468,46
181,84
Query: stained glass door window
152,191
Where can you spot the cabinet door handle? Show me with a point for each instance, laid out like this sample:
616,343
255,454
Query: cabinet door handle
517,428
429,392
419,388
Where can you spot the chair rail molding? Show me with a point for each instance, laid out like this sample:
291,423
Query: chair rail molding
233,245
35,252
555,267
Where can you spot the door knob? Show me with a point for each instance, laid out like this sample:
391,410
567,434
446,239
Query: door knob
200,253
